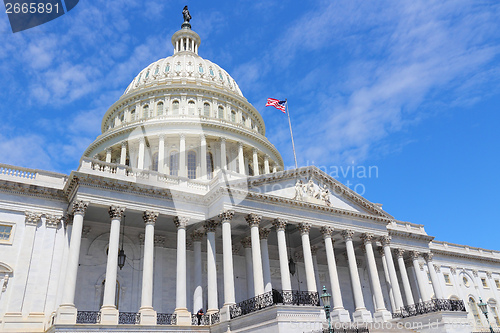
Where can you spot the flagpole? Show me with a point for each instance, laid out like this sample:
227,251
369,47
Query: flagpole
291,133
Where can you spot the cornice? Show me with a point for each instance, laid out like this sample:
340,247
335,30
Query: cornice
455,250
32,190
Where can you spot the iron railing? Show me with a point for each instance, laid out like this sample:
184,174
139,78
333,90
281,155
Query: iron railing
273,297
166,319
206,319
88,317
130,318
215,318
433,305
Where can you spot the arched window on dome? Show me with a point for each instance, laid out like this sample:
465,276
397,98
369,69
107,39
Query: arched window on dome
132,115
145,111
122,117
250,169
191,108
167,68
200,69
174,163
175,107
475,312
147,74
221,112
206,110
154,162
159,107
191,164
210,165
233,116
157,69
243,120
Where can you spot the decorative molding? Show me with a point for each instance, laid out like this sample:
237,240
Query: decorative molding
210,225
474,272
367,237
264,233
414,255
32,218
453,270
399,253
159,240
488,274
381,251
428,256
52,221
347,235
181,221
197,236
280,224
116,212
437,268
253,219
326,232
150,217
79,207
226,215
304,228
385,240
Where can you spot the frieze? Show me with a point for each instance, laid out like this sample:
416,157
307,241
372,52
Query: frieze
32,190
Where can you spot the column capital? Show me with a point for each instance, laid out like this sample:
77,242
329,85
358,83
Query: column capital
197,236
474,272
124,144
253,219
51,221
79,207
414,255
381,251
32,218
142,139
240,144
347,234
161,136
255,150
326,231
266,157
210,225
159,240
437,268
264,233
182,136
304,228
399,253
116,212
385,240
246,242
280,224
488,273
428,256
226,215
203,138
150,216
235,250
109,150
367,237
223,139
314,250
181,221
453,270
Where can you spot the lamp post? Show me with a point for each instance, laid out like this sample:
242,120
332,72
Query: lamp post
326,298
484,309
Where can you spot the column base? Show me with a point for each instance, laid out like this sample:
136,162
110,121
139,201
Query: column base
109,315
340,316
382,316
225,313
148,316
362,316
183,317
66,314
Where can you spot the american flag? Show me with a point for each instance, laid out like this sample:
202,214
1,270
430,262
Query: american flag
280,105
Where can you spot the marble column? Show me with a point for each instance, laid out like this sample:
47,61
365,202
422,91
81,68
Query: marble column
381,314
108,155
213,305
387,279
203,157
223,154
266,267
227,254
421,279
438,293
161,153
183,315
197,237
280,225
255,163
314,252
404,277
275,168
266,164
253,221
398,299
109,312
123,153
308,261
140,159
241,160
338,313
66,313
247,245
148,314
360,315
182,156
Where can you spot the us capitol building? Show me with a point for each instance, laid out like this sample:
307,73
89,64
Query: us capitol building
183,204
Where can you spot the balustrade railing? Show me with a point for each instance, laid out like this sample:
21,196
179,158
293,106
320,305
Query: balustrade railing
88,317
274,297
433,305
166,319
17,171
130,318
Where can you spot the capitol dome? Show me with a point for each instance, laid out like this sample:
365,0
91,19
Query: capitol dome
184,117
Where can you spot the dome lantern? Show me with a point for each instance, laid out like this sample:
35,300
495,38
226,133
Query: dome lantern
186,40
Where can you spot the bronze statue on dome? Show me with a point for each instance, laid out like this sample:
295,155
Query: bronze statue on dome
185,13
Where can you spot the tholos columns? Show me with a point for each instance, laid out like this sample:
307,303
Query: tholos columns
421,280
266,164
314,252
308,261
196,237
241,160
338,312
434,278
223,153
266,268
247,245
161,153
183,315
360,314
404,277
109,312
66,313
255,163
227,254
148,314
253,221
280,224
123,153
381,313
210,227
108,155
398,299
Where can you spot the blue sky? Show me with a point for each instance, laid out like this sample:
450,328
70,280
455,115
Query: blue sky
411,88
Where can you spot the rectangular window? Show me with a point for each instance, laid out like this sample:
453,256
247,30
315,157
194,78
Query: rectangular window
483,281
447,279
5,233
497,282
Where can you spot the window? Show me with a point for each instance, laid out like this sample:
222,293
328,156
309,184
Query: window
206,110
132,115
250,170
447,279
178,67
167,68
147,75
191,108
175,107
139,79
200,69
145,111
174,163
221,112
122,117
191,159
495,314
233,116
483,281
154,164
475,312
157,69
210,165
220,75
466,281
243,120
189,67
497,282
160,108
5,233
211,71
